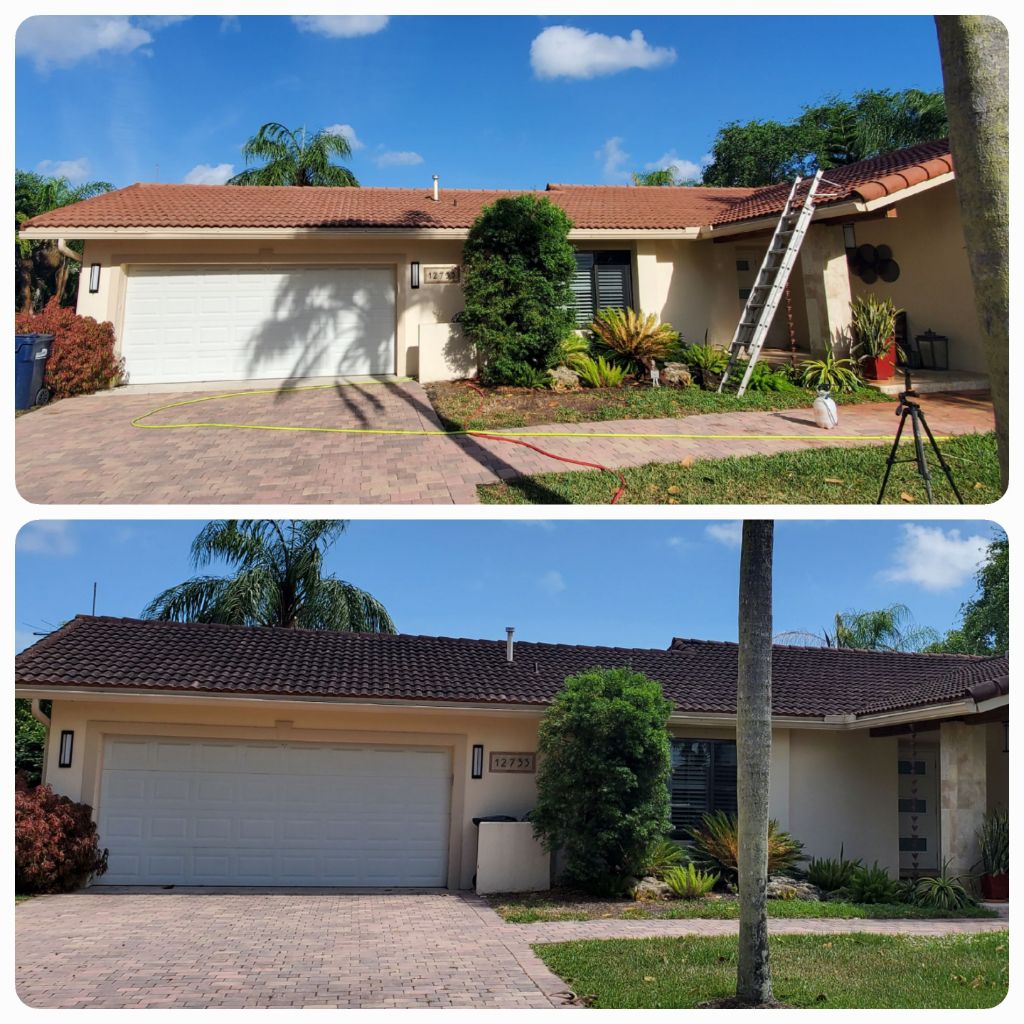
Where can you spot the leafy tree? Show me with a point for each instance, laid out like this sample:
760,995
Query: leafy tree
295,158
602,784
757,153
29,742
754,754
883,629
519,305
41,270
976,77
985,619
278,580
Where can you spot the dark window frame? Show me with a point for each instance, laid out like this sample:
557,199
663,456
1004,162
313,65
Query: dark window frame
719,783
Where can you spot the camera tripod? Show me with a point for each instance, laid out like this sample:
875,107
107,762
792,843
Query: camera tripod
913,409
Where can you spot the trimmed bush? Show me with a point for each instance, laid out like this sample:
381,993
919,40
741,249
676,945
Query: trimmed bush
519,267
82,359
602,783
56,848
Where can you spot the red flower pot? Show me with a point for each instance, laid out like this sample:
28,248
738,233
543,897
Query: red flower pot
995,887
883,367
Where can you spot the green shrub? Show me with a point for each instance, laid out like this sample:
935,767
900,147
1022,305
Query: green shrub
602,782
994,843
690,882
829,374
663,856
872,885
518,266
765,378
599,373
638,341
716,845
570,349
707,363
943,892
828,874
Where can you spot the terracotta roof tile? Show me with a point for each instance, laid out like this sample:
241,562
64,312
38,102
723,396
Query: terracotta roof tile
698,676
591,207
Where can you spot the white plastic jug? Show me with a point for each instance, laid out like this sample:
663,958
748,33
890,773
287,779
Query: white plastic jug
826,415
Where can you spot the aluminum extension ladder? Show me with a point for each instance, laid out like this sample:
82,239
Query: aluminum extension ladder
770,284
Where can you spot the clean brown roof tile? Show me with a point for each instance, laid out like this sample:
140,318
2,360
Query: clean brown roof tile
109,654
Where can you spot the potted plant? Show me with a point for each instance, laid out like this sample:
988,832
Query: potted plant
994,843
874,323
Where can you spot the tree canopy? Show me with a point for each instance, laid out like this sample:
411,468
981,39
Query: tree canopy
881,629
295,158
278,580
829,134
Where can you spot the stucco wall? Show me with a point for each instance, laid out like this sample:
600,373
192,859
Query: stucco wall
843,790
934,286
428,304
998,767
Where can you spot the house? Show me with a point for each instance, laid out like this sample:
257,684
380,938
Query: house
218,282
235,755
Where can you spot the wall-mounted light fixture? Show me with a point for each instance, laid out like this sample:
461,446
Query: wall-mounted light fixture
849,236
478,761
67,742
94,278
414,274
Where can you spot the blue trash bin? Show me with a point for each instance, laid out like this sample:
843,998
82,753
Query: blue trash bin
30,355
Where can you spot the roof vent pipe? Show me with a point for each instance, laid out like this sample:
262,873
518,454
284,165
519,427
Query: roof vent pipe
510,643
437,190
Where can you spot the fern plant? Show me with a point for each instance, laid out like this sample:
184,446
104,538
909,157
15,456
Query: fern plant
599,373
716,845
765,378
572,348
690,882
829,874
663,856
707,362
944,891
872,885
636,339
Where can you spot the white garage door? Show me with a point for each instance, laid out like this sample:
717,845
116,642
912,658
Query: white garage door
236,323
212,812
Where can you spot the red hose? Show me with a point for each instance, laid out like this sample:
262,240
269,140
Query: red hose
540,451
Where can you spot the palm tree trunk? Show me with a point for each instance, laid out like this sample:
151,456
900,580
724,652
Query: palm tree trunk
753,753
976,80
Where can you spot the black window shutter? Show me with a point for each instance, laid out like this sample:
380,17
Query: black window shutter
703,780
583,288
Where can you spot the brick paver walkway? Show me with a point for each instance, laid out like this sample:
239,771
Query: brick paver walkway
274,949
86,450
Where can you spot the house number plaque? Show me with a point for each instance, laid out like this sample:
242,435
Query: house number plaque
441,275
502,761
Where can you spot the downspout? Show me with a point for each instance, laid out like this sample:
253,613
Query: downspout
65,250
39,716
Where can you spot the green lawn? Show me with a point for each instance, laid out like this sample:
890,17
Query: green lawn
825,476
533,907
459,407
826,971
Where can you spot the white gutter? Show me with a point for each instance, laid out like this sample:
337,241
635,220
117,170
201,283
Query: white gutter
37,713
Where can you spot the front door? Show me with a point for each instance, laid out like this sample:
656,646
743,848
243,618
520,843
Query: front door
919,810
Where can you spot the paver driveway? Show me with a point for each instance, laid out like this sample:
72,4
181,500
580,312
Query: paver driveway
86,449
275,948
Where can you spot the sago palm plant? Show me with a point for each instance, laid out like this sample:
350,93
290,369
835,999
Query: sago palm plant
635,338
716,845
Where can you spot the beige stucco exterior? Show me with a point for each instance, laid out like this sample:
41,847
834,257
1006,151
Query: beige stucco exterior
829,787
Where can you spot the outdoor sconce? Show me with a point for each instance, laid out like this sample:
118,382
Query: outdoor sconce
94,278
414,276
849,236
478,761
67,741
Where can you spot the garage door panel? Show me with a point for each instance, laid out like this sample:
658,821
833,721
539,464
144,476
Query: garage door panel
235,323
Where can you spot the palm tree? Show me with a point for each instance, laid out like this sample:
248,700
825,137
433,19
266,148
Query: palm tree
293,158
41,269
277,581
883,629
976,79
754,754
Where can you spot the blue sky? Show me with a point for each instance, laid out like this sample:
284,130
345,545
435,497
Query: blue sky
481,101
630,584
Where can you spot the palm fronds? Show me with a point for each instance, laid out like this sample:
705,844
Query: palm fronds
636,339
291,157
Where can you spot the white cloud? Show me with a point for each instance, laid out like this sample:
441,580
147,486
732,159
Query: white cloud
684,170
397,158
209,174
935,559
347,132
230,23
340,26
552,582
159,21
63,40
76,171
565,52
48,537
614,159
730,534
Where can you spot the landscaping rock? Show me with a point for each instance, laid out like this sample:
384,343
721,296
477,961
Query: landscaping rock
782,887
650,890
678,374
564,379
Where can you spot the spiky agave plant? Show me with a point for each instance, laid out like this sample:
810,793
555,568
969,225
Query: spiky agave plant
690,882
635,338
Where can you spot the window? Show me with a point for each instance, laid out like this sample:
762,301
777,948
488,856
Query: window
603,279
703,779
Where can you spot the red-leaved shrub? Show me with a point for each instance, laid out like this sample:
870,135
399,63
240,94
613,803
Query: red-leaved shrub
55,844
82,359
